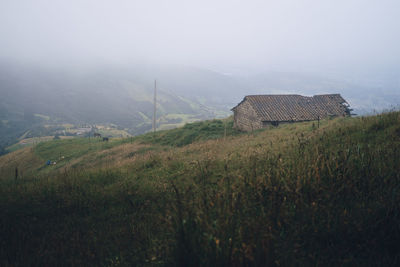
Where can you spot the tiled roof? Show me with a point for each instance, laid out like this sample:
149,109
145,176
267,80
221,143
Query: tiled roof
297,107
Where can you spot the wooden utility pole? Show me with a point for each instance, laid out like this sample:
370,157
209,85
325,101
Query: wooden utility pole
155,106
224,131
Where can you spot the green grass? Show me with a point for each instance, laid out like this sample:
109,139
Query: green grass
29,142
191,132
73,148
17,146
63,151
291,195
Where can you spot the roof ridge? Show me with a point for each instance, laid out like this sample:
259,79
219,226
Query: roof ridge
275,95
295,107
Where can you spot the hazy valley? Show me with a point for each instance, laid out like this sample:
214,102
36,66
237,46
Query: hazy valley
39,102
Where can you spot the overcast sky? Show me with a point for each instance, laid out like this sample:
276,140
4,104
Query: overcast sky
324,34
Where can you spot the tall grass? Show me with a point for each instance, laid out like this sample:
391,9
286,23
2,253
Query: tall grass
289,196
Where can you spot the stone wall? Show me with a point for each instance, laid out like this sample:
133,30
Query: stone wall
245,118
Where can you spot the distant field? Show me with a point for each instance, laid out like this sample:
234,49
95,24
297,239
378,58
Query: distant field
172,121
167,122
71,131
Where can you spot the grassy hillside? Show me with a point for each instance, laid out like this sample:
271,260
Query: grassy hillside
191,132
292,195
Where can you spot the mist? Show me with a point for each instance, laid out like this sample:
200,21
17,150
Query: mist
94,61
358,36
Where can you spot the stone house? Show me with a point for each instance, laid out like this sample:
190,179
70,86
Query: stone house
259,111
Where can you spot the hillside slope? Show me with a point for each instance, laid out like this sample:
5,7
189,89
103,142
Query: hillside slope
34,98
292,195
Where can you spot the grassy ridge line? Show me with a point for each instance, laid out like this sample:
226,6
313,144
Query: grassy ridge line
287,196
92,153
191,132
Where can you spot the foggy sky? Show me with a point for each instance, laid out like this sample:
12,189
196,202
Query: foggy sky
284,34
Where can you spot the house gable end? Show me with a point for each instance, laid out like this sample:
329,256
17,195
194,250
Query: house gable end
245,116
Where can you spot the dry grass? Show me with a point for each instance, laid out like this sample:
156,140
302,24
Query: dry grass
292,195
